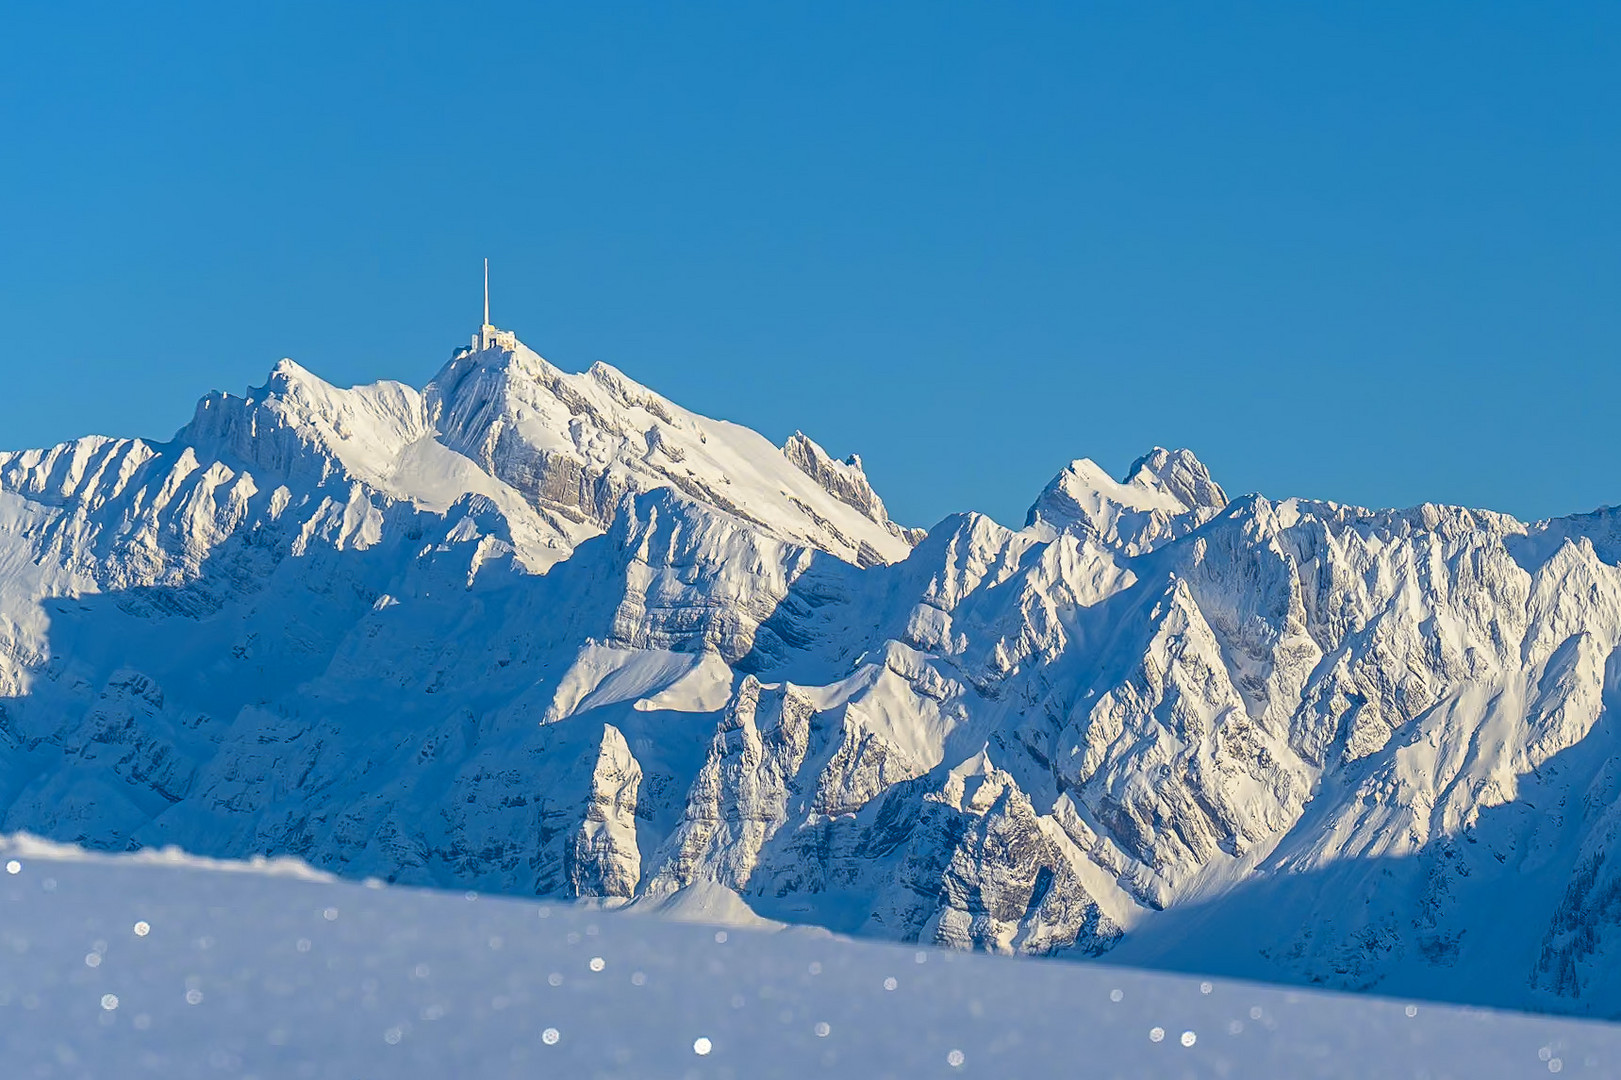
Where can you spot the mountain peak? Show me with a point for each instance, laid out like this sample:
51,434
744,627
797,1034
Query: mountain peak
1165,494
576,443
1179,473
288,370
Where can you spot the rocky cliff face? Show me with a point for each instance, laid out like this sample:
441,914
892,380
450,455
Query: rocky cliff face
539,632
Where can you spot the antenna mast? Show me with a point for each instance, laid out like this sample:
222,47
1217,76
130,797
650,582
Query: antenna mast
486,292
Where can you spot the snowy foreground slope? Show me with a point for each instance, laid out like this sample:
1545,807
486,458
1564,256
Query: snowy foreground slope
549,634
124,968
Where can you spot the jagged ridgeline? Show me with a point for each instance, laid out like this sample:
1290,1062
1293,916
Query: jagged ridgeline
551,634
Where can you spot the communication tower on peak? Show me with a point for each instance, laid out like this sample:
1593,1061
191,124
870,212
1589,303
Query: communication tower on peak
488,337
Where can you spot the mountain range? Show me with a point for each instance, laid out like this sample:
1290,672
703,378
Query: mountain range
547,633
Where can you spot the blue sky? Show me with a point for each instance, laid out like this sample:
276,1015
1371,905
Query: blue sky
1369,252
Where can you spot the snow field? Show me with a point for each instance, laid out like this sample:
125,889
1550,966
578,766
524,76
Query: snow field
127,967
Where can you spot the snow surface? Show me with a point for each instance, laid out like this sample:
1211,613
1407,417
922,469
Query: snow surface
123,966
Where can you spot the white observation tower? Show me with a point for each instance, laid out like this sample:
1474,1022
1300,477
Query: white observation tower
488,337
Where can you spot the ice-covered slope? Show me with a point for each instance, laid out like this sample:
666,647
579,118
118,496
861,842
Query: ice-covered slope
158,966
549,634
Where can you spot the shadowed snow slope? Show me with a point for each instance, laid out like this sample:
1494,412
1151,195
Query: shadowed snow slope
118,968
549,634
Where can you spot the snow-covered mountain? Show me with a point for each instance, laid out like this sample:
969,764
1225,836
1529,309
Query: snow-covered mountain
551,634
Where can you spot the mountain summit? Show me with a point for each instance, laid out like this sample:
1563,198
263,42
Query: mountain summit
548,633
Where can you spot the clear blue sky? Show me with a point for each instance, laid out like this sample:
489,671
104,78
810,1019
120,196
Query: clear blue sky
1369,252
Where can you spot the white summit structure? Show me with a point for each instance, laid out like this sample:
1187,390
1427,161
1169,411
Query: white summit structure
488,337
